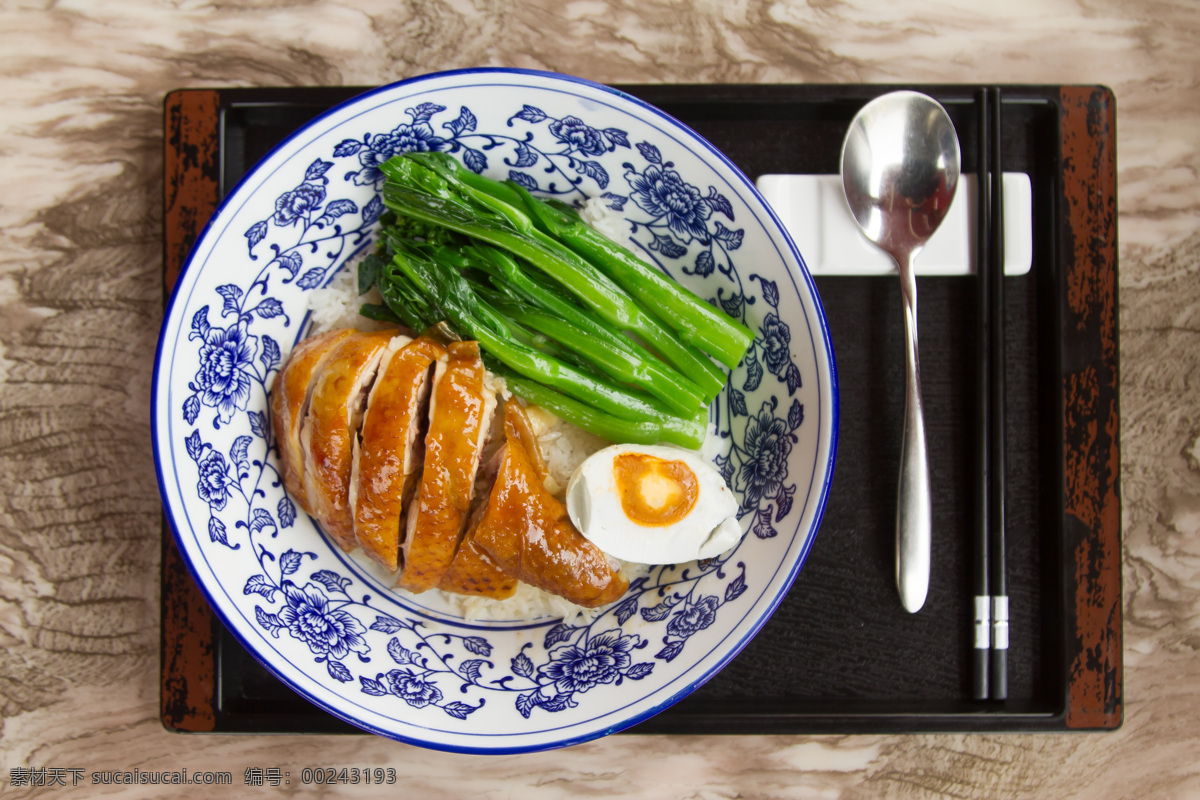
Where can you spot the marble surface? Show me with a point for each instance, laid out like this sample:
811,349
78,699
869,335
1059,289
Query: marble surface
80,254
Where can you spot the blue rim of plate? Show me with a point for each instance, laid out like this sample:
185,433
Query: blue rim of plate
771,605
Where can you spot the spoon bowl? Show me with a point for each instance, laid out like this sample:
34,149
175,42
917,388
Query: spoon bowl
900,169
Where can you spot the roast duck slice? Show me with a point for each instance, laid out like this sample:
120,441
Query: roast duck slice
473,571
523,532
389,450
460,416
527,533
327,435
289,404
387,457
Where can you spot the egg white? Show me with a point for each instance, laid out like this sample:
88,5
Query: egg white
594,505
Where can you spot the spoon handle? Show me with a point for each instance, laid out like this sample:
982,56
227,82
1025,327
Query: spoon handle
913,509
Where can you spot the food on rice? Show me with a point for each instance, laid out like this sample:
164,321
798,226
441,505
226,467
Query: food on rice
332,421
440,530
388,450
660,505
526,532
391,440
460,419
290,400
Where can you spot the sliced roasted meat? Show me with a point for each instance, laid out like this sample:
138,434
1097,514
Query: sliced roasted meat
517,427
381,439
460,416
473,571
527,534
331,425
389,451
289,405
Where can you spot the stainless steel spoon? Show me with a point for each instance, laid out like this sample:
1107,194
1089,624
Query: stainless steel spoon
900,167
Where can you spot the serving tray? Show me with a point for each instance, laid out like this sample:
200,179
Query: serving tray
840,654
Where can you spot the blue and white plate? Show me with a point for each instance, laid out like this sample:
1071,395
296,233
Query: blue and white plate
323,621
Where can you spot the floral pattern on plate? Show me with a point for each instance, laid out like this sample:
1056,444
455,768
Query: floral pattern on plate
301,591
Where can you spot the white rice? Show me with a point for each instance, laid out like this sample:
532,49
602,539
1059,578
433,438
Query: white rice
564,447
336,305
598,215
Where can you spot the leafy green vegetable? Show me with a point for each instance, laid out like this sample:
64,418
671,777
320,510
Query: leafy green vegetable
697,322
474,317
572,273
680,395
575,322
673,430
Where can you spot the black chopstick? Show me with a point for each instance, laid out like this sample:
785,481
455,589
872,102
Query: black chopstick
997,578
981,573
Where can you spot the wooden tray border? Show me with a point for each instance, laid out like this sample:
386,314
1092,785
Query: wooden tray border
1091,455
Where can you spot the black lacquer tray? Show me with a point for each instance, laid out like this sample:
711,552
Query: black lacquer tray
840,654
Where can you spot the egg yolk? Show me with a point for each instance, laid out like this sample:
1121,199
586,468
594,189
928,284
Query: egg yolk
654,491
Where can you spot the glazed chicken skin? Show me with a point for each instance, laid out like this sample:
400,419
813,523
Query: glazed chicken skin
460,416
518,428
289,404
522,532
382,439
473,571
528,534
326,437
389,450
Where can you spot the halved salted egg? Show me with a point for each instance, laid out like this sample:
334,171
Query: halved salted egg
653,505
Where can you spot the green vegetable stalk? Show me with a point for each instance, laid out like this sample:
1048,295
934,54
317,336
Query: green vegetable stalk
574,274
473,317
649,374
697,322
683,432
573,321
